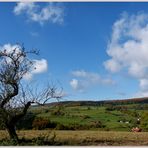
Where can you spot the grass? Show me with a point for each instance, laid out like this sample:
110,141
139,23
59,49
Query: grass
113,133
77,114
102,138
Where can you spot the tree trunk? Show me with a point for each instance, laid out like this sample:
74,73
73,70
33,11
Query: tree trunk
12,133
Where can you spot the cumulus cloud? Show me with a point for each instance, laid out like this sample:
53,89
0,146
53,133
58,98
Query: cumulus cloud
128,48
77,85
52,12
85,80
74,83
39,66
143,84
28,76
8,48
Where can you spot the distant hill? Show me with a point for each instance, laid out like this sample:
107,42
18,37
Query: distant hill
108,115
95,103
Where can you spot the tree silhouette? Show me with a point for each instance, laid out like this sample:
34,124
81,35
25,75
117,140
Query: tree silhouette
15,96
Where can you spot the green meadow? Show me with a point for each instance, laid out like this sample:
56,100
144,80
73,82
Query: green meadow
83,123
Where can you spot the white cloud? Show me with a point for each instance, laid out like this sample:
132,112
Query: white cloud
28,76
52,12
79,73
112,65
144,84
74,83
8,48
128,47
93,77
77,85
39,66
21,7
85,80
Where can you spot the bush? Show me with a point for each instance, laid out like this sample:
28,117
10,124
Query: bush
57,112
45,139
97,124
73,126
26,122
110,107
8,142
144,121
64,127
76,126
42,139
42,123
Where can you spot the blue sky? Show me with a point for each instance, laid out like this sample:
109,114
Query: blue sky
96,50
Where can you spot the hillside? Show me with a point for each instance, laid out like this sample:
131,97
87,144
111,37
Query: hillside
143,100
114,115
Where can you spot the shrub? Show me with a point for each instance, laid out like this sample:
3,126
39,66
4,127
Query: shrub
110,107
84,117
42,123
144,121
26,122
8,142
45,139
57,112
64,127
76,126
42,139
97,124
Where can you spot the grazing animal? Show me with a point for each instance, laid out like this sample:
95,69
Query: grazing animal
136,129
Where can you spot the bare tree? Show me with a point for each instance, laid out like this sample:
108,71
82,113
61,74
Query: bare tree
15,96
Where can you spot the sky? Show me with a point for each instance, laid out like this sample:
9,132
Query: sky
94,50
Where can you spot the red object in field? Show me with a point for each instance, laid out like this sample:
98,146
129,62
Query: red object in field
136,129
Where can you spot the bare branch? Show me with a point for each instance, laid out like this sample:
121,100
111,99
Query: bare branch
16,97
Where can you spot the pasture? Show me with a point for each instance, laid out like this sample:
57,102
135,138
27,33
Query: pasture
104,118
84,125
80,138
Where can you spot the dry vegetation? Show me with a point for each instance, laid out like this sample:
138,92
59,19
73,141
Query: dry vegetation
88,137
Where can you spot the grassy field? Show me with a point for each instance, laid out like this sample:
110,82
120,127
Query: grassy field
89,116
102,138
74,124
